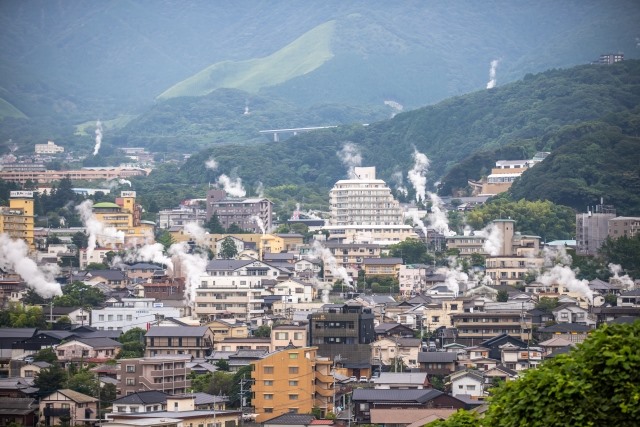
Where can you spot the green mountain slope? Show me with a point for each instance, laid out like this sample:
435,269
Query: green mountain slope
304,55
532,114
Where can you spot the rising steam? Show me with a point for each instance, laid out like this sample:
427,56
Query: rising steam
350,157
98,233
418,175
492,74
398,180
211,164
260,223
233,186
320,252
13,256
96,148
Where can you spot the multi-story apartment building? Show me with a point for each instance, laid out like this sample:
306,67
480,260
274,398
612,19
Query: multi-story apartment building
253,214
511,270
284,335
592,228
343,331
363,209
125,216
628,226
49,148
17,219
412,278
84,174
474,328
233,289
181,216
506,172
129,313
382,266
466,245
295,291
292,380
196,341
166,373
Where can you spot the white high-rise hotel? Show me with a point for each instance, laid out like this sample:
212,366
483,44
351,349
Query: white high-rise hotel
363,209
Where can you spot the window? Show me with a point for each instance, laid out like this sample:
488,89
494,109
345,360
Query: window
471,387
122,408
134,409
268,410
101,317
268,383
131,368
293,369
131,381
293,383
268,369
267,396
293,355
282,335
293,397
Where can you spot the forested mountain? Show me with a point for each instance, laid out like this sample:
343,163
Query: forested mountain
63,63
587,116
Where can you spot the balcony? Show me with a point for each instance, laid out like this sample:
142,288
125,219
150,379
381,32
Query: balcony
327,379
57,412
168,372
324,392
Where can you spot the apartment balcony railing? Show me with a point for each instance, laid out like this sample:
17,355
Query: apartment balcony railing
57,412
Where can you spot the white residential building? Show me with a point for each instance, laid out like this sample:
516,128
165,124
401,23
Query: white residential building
131,313
294,291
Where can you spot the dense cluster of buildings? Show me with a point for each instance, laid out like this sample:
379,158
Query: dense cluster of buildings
435,345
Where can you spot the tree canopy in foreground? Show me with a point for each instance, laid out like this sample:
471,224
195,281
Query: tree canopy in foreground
597,384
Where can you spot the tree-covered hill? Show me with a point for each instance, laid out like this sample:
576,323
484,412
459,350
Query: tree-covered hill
66,63
558,111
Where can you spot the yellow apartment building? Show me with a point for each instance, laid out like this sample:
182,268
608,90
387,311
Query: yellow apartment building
293,380
17,219
125,215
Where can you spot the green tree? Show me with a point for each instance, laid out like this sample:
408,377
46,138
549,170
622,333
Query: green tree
78,294
263,331
222,365
80,240
133,344
503,296
597,384
412,251
547,304
611,299
18,316
50,379
84,382
200,383
461,418
624,251
235,229
46,355
213,225
165,239
228,248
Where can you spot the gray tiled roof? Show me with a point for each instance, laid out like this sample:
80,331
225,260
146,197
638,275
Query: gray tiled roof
387,395
142,397
176,331
291,419
437,357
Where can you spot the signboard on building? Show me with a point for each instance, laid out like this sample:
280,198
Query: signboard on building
21,194
128,194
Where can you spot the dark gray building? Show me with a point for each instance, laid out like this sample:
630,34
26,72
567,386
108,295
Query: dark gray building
252,214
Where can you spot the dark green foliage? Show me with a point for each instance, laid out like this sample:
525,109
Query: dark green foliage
133,344
222,365
411,251
624,251
539,218
461,418
50,379
85,382
547,304
19,316
598,384
263,331
77,294
46,355
503,296
228,248
213,225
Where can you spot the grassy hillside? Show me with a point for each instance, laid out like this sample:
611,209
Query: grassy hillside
536,113
304,55
8,110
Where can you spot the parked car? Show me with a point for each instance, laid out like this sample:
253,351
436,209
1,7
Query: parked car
364,379
352,379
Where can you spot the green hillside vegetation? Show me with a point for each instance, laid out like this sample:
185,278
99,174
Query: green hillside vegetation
535,114
187,124
589,161
302,56
8,110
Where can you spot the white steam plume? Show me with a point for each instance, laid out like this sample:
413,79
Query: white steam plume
14,257
260,189
320,252
418,175
211,164
453,275
260,223
492,74
96,148
233,186
192,266
625,280
493,239
398,180
438,217
418,221
98,233
196,232
150,253
350,157
122,181
562,275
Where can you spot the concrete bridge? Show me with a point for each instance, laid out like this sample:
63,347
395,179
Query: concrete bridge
276,132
